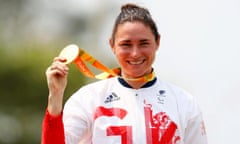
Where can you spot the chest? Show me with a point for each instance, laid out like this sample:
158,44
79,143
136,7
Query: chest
139,116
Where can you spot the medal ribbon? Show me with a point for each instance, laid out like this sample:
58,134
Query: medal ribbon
107,72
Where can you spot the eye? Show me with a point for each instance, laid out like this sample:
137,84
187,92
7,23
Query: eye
125,45
144,43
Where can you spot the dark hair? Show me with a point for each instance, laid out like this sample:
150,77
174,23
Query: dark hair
131,12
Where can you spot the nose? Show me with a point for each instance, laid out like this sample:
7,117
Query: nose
135,52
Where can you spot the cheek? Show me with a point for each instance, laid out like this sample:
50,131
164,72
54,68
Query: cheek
120,56
151,56
120,53
150,52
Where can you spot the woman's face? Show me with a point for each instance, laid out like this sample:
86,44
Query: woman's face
135,47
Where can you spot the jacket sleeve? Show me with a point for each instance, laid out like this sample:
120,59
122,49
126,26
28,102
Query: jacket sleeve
195,132
52,129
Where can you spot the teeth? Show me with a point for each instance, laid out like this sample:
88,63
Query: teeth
136,63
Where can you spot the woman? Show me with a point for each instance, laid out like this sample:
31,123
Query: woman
123,109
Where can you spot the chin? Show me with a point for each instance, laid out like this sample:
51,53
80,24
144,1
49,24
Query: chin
136,74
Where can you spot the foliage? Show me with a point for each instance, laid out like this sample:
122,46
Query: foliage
24,92
31,35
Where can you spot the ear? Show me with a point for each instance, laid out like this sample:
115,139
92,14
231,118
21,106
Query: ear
158,41
111,43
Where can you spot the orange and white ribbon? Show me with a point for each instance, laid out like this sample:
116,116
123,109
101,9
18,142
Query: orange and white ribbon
73,53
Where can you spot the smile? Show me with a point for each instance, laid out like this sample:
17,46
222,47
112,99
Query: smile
136,62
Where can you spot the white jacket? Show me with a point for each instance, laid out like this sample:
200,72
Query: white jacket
108,112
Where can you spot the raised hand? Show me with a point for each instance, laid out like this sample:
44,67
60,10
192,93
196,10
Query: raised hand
57,81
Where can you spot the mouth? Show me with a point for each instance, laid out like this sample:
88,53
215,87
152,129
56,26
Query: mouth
136,62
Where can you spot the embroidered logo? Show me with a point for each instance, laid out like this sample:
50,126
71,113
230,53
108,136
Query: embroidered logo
112,97
160,96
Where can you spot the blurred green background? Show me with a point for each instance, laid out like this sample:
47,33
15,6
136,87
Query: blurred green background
199,52
32,33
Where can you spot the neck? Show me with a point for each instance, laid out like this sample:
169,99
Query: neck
136,84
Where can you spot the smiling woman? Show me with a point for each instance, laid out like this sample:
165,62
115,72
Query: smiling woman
135,47
122,109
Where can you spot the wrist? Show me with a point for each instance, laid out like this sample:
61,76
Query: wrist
55,104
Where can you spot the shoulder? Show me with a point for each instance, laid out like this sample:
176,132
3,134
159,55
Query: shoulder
185,101
94,89
100,85
175,90
87,96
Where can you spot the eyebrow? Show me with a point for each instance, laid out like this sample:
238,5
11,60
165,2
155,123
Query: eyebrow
128,41
143,40
125,41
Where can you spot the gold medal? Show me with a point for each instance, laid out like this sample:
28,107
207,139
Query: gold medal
73,53
70,52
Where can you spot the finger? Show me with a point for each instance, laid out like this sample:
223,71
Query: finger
59,64
56,74
60,59
59,70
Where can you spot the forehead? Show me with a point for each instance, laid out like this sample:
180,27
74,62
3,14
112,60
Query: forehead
133,31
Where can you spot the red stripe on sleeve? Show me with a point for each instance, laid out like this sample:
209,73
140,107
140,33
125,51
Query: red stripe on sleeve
52,129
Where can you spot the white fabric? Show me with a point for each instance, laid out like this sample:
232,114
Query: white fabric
172,112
